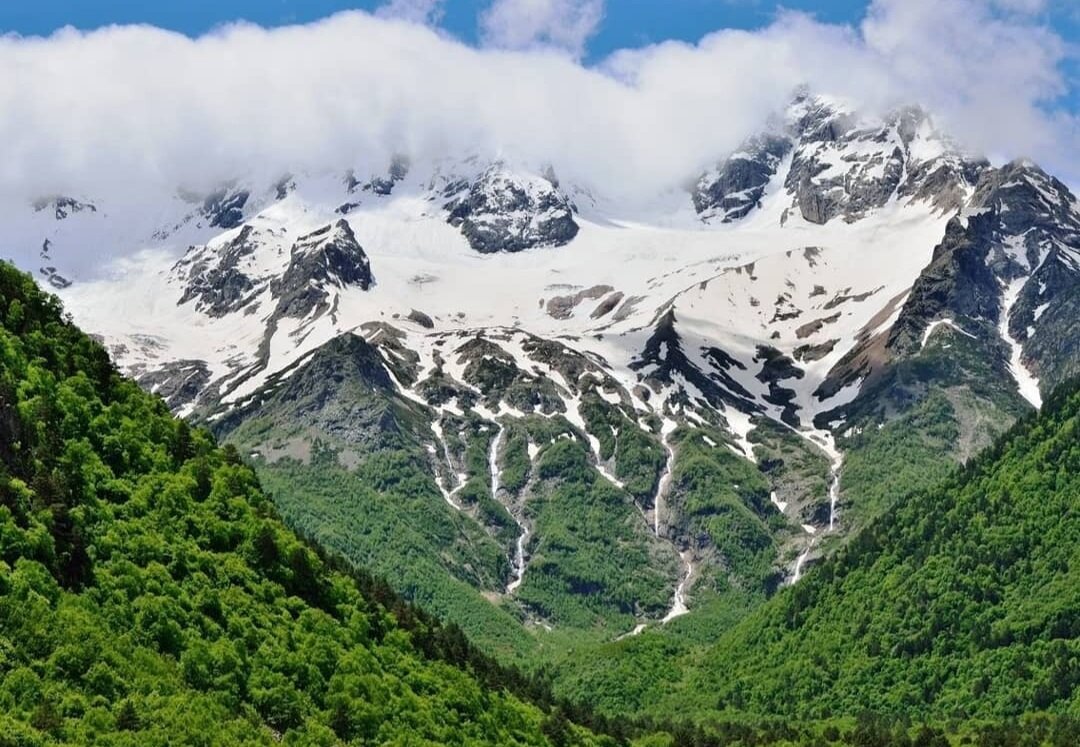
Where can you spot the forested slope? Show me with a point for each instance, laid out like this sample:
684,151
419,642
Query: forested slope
961,603
149,594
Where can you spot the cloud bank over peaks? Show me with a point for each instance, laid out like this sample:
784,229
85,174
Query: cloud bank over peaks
114,112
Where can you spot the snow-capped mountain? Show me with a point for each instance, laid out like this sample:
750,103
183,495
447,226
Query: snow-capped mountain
788,312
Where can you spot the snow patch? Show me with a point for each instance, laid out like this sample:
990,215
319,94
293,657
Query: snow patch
1026,382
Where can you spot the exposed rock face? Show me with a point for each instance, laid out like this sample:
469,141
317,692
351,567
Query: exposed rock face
608,305
562,307
943,182
1022,226
1005,279
421,318
841,167
1047,318
239,275
736,187
381,185
1037,244
811,353
384,185
776,368
839,170
179,383
664,360
328,257
501,211
347,357
342,391
224,209
957,282
63,206
219,289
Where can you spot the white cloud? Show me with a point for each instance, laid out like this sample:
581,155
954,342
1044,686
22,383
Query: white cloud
427,12
122,109
526,24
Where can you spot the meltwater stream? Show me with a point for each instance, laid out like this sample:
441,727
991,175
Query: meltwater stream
665,480
523,538
825,442
448,492
678,603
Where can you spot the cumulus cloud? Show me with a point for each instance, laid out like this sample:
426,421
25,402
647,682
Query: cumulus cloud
526,24
123,109
425,12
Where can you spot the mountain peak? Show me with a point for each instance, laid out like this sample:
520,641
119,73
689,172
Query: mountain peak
328,257
841,165
502,210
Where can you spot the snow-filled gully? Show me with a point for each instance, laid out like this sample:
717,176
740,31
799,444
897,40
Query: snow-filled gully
520,561
678,603
447,492
1026,383
825,442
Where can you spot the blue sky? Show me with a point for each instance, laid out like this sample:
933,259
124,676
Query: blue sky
627,22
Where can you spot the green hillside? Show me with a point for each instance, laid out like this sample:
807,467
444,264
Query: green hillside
961,605
150,596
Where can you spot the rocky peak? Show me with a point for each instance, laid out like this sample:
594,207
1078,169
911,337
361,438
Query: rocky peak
225,208
1008,270
349,357
735,187
215,276
62,206
1024,197
507,211
842,165
957,284
840,169
326,258
816,120
342,391
869,163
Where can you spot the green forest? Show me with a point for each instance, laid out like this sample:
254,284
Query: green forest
149,595
960,605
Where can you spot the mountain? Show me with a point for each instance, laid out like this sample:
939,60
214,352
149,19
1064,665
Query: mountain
553,419
149,595
959,604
